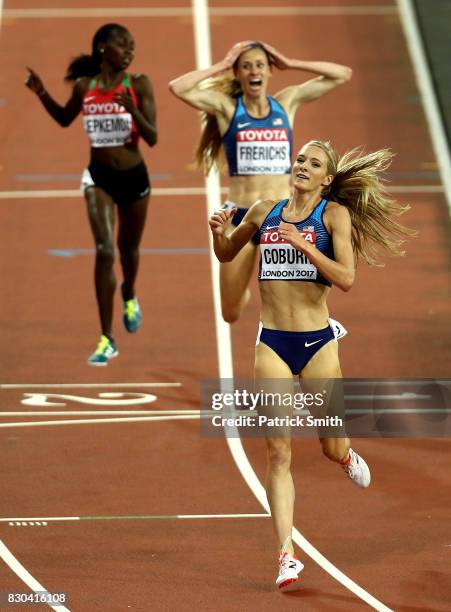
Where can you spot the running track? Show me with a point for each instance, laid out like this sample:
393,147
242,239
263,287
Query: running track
393,540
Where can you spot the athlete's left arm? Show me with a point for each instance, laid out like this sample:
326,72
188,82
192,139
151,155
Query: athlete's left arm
145,113
330,76
341,271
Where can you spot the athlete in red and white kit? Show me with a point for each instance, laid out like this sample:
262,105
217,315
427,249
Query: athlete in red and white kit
256,132
117,108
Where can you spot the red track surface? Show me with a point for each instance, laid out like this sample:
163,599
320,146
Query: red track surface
393,539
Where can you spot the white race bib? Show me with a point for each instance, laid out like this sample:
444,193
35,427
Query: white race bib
263,151
280,260
108,130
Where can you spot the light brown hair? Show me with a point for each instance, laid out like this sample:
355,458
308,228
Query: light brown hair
209,151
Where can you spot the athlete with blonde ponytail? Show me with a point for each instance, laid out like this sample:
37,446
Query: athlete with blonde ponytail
338,211
254,131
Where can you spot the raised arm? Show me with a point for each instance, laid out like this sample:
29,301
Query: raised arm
340,272
188,87
330,76
226,247
64,115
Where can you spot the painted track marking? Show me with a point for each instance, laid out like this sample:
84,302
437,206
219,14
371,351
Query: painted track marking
426,88
25,575
77,193
175,417
138,517
225,11
30,194
97,412
203,58
86,385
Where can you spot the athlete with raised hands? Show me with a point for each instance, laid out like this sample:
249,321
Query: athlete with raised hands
254,130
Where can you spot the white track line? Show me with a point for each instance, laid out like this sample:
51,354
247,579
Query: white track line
86,385
25,413
62,422
213,193
25,575
226,11
424,83
77,193
203,56
56,519
177,191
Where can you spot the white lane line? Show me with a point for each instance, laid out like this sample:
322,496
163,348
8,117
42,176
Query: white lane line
80,13
213,191
178,191
208,516
399,411
208,414
25,575
86,385
305,11
257,488
415,188
410,383
225,11
175,417
203,56
39,519
77,193
55,519
430,104
97,412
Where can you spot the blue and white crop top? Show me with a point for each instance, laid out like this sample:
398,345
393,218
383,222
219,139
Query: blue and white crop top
281,261
258,146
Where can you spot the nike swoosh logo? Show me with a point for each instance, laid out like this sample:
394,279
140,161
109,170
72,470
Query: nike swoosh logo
307,344
242,125
90,98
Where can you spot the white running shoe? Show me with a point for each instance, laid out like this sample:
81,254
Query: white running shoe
289,570
357,470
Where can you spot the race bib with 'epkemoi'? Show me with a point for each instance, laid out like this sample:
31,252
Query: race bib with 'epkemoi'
113,129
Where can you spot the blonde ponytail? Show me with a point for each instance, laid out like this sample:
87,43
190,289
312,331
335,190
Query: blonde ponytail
209,151
357,184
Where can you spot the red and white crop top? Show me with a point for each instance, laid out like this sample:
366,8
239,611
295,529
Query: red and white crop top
106,122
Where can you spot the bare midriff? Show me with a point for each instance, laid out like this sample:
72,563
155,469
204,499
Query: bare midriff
119,158
294,305
246,190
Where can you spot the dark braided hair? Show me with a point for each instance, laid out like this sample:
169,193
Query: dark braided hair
89,65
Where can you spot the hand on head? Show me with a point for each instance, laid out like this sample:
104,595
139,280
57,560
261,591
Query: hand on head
280,61
236,51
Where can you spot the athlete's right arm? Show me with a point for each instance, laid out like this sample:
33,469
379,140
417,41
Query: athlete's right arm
188,87
64,115
226,247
